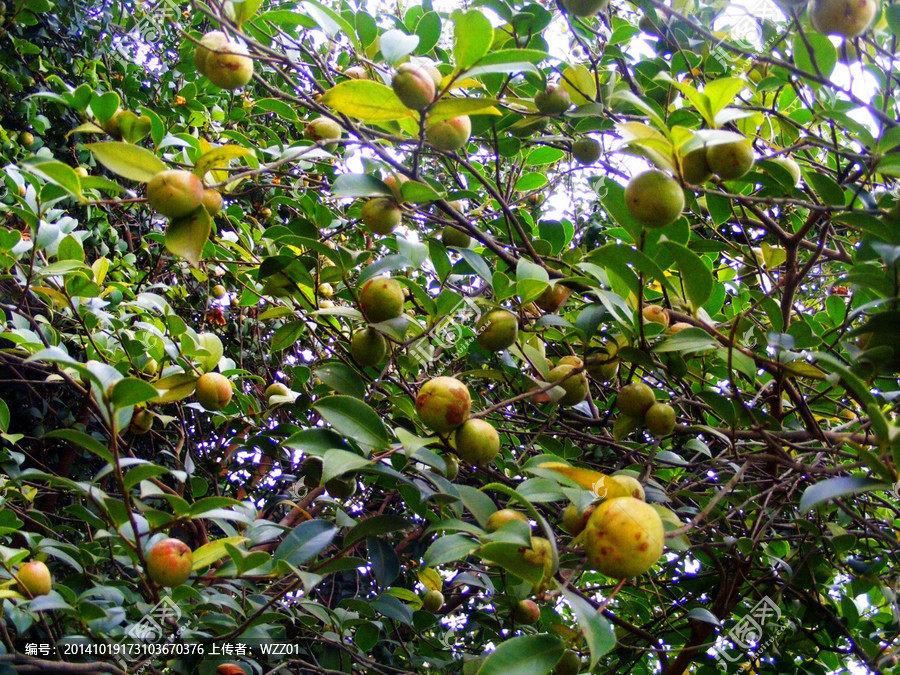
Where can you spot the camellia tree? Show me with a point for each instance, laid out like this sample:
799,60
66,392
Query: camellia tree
494,337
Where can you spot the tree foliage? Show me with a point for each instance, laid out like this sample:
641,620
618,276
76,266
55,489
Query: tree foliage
322,512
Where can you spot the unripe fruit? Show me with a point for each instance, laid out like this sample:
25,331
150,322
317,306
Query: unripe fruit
584,8
432,601
635,399
450,236
570,360
212,41
34,578
568,664
276,389
213,391
631,484
150,367
575,386
325,290
660,419
141,421
381,215
212,201
788,165
395,182
527,612
356,73
574,522
368,347
230,66
218,291
529,127
169,562
553,298
847,18
451,467
694,169
265,212
679,326
541,553
26,139
730,161
311,470
553,101
323,129
656,314
497,330
477,442
654,199
435,75
81,172
414,86
624,537
174,193
449,135
381,299
586,150
443,403
341,487
500,518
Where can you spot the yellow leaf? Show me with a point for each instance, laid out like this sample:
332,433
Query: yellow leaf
580,83
366,100
209,553
430,579
176,387
219,158
599,483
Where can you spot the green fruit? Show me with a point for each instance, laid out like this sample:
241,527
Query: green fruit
341,487
635,399
218,291
212,201
141,421
631,485
414,86
229,66
654,199
788,165
150,367
436,76
323,129
432,601
368,347
381,299
451,467
623,537
500,518
497,330
553,101
210,42
586,150
477,442
213,391
568,664
26,139
449,135
325,290
694,169
450,236
584,8
660,419
541,553
847,18
381,215
174,193
574,522
570,360
575,386
443,403
527,612
311,470
276,389
730,161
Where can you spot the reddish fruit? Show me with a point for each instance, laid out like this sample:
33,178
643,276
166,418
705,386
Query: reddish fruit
497,330
553,298
213,391
574,522
34,578
631,485
229,66
477,442
210,42
381,299
414,86
635,399
443,403
553,101
323,129
169,562
654,199
381,215
174,193
527,612
357,73
656,314
451,134
624,537
212,201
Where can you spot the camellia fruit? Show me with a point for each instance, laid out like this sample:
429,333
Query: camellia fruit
654,199
169,562
34,578
679,326
414,86
573,522
381,215
443,403
141,421
730,161
368,347
323,129
381,299
554,100
575,386
694,169
212,201
497,330
541,553
635,399
660,419
570,360
218,291
656,314
395,182
631,485
568,664
586,150
213,391
527,612
788,165
450,236
229,66
553,298
623,537
276,389
174,193
584,8
357,73
432,601
341,487
477,442
847,18
212,41
500,518
450,134
451,467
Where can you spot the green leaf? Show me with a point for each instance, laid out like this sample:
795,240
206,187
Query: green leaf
105,105
127,160
244,10
477,263
359,185
81,439
367,101
214,551
132,391
687,341
531,280
695,275
509,557
825,186
722,92
187,236
4,416
306,541
823,54
472,35
56,173
396,44
524,655
596,630
384,561
834,488
449,549
338,462
419,193
342,378
354,419
331,22
579,81
375,525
